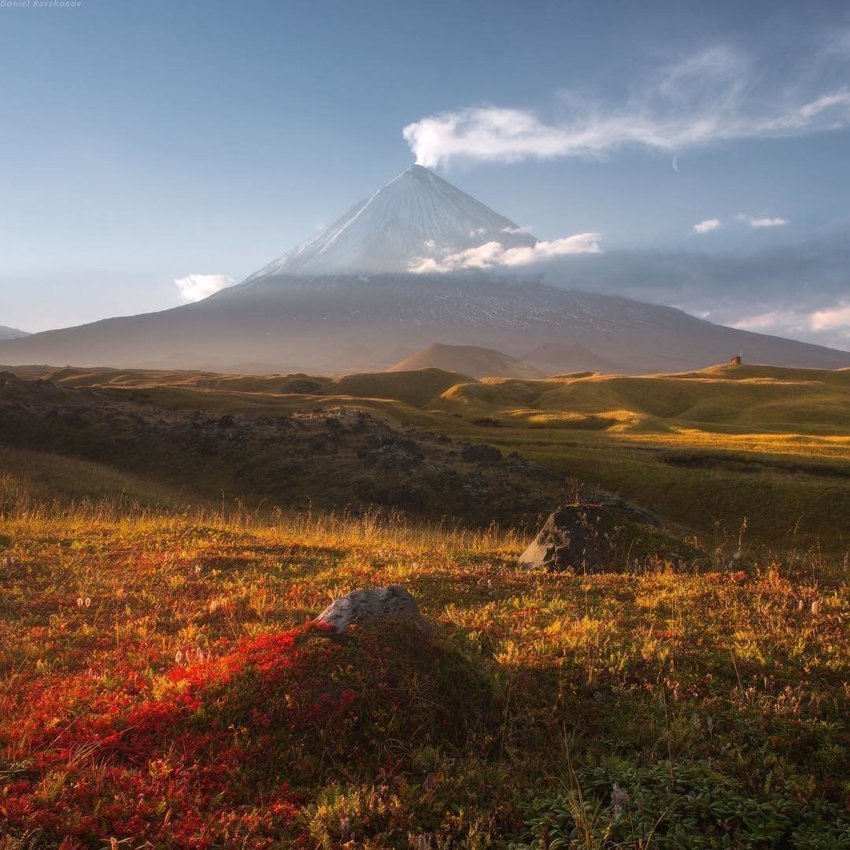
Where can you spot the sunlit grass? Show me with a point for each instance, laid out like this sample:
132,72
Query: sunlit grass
740,663
776,441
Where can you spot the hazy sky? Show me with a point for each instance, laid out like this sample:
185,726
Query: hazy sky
145,143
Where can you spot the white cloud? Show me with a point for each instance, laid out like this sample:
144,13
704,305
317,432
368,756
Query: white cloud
768,222
832,318
196,287
798,321
710,97
707,226
754,221
772,320
494,254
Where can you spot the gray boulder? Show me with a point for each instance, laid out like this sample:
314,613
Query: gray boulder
369,603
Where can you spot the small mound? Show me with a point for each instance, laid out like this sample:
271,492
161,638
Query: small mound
477,396
237,744
416,388
468,360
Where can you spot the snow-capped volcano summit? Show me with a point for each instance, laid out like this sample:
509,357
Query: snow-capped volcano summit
348,300
415,217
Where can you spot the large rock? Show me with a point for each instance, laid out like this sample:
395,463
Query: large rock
598,537
369,603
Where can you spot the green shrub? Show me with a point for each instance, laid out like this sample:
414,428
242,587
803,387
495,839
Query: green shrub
679,808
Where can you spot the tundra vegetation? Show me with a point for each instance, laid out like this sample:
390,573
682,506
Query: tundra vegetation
161,684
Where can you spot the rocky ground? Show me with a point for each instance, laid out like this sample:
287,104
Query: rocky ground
332,458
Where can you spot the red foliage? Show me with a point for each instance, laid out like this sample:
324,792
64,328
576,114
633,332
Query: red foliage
91,761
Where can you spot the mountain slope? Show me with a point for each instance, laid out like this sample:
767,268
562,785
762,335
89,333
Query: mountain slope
346,324
418,215
345,302
11,333
467,360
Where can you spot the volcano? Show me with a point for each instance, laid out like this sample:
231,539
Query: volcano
415,217
372,289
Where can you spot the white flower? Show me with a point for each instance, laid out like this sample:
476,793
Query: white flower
619,801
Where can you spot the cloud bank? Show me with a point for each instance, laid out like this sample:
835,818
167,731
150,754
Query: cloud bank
711,97
832,318
494,255
831,323
196,287
796,289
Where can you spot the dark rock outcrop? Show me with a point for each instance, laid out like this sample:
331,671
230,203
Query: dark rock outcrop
480,453
398,455
599,537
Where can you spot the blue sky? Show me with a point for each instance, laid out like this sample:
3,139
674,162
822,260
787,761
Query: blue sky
144,142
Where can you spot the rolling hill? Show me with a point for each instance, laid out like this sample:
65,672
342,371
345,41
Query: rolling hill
703,449
717,399
767,397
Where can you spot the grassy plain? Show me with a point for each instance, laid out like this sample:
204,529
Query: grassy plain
705,450
159,686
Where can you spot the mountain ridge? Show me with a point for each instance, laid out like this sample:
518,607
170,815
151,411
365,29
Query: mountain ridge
12,333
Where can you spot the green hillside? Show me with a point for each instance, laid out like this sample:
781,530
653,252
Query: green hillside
706,450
